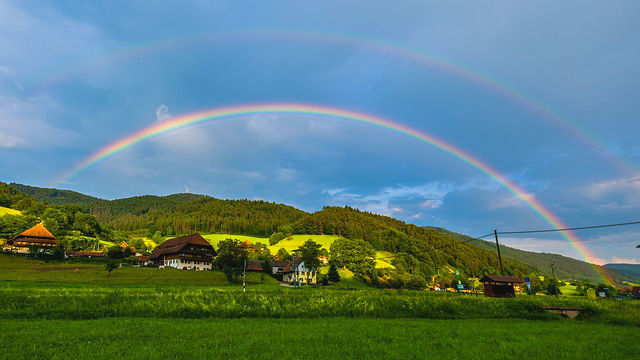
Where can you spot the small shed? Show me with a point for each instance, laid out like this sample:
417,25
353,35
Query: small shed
500,286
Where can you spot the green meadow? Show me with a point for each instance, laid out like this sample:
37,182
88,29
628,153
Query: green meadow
326,338
151,313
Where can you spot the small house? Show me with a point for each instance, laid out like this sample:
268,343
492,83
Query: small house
254,266
296,273
191,252
38,237
500,286
277,267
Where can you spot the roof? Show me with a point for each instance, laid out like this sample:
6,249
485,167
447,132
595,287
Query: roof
38,231
500,279
174,245
254,265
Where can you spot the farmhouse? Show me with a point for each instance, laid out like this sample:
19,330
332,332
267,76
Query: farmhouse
500,286
296,272
191,252
38,237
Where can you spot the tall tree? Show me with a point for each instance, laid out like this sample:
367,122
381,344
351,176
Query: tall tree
357,255
231,257
333,274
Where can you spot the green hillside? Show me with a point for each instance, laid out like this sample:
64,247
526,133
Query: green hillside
565,267
627,269
176,214
55,196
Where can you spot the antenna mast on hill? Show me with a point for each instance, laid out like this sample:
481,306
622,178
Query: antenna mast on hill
186,189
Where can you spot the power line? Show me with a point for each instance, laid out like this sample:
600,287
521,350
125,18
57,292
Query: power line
569,229
518,232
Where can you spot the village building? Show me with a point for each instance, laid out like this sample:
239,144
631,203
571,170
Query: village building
277,267
635,291
296,273
191,252
500,286
37,237
254,266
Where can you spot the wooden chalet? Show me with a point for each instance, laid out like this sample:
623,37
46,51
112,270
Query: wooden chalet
500,286
191,252
254,265
38,236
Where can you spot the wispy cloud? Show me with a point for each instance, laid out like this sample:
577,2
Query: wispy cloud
162,113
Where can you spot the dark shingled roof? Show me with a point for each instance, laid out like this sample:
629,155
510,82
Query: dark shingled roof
500,279
174,245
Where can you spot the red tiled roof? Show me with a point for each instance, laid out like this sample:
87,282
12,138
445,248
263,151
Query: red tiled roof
173,246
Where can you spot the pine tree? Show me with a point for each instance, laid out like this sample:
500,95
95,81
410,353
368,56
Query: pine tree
333,274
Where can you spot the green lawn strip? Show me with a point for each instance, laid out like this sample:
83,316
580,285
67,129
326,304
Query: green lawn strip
331,338
264,301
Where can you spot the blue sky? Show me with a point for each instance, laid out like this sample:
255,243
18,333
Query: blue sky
74,78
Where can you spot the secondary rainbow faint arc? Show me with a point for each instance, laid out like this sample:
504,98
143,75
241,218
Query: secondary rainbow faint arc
288,108
421,57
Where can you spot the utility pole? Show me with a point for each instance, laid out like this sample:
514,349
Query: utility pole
555,283
495,233
244,277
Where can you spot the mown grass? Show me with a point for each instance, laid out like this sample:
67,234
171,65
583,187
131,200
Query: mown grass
329,338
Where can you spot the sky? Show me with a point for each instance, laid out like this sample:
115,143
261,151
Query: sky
545,93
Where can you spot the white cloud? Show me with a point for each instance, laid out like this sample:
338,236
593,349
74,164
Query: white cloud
162,113
382,202
333,192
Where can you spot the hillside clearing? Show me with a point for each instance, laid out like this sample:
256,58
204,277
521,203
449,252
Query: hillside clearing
6,211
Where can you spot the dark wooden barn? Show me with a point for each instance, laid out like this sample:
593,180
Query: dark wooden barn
500,286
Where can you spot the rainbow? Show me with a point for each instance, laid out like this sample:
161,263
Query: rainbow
409,54
182,121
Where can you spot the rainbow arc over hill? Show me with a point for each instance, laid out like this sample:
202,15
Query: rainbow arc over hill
194,118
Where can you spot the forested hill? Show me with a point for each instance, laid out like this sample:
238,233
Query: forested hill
176,214
420,249
565,267
628,269
55,196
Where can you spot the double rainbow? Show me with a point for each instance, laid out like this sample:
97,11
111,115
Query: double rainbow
305,109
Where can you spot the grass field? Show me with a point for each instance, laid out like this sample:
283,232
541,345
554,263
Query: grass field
50,311
328,338
16,268
7,211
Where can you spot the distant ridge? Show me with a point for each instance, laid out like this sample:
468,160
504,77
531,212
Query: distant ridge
565,267
627,269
